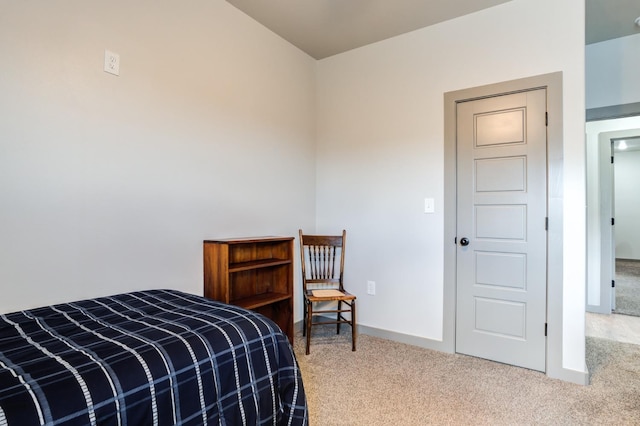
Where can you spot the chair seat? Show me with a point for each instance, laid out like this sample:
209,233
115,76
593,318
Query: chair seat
346,296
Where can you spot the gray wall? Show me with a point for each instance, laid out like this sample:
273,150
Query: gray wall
627,204
110,184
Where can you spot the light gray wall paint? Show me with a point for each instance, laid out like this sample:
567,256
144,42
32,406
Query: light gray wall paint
612,72
381,152
627,204
110,183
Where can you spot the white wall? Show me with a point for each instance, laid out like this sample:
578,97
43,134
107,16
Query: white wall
627,204
380,153
110,184
594,194
612,72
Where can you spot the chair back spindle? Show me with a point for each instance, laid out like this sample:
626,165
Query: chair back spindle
322,262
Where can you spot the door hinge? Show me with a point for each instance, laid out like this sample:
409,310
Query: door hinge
455,241
545,329
613,221
546,223
546,118
613,283
612,159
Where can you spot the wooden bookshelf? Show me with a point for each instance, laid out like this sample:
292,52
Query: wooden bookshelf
254,273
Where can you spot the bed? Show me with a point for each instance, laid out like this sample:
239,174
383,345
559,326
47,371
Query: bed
157,357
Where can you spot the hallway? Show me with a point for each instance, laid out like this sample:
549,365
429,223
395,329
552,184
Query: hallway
618,327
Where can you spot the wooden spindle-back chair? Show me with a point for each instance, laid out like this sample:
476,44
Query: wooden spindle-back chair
322,267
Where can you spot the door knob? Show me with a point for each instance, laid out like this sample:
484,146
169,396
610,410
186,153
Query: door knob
464,241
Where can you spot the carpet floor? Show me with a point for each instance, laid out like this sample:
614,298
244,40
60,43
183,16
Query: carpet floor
390,383
627,287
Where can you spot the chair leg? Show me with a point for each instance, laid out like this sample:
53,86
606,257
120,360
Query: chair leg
308,325
304,319
338,317
353,325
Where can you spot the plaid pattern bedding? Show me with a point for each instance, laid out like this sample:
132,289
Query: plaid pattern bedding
158,357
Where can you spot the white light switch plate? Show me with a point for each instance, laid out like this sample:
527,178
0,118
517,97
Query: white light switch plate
429,205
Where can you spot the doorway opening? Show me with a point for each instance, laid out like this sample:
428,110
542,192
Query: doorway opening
611,212
603,132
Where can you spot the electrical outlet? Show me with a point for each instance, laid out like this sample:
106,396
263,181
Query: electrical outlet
111,63
371,288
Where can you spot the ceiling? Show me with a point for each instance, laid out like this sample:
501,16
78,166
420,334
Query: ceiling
609,19
324,28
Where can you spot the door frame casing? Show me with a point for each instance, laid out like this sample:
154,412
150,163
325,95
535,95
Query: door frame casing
606,201
553,84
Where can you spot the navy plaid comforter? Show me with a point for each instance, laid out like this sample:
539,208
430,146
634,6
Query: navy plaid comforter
155,357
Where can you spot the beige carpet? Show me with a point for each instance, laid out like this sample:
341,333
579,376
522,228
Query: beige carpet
389,383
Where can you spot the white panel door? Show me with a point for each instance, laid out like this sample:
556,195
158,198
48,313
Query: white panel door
501,235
